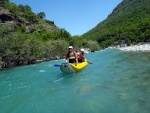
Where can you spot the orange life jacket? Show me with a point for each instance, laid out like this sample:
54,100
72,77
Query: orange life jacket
71,56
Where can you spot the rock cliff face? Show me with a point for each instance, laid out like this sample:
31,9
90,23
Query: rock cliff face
7,20
10,21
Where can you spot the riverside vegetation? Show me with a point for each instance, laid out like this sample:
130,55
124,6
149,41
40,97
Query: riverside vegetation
26,37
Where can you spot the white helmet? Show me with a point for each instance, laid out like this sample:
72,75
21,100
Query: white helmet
82,50
70,47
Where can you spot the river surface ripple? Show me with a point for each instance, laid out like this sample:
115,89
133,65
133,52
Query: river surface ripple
116,82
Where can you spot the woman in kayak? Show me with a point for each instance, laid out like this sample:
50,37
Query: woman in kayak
71,55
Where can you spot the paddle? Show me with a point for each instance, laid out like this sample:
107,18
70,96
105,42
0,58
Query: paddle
57,65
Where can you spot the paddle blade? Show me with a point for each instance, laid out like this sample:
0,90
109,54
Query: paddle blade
57,65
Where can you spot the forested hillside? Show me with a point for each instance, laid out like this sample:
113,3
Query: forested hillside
129,23
26,37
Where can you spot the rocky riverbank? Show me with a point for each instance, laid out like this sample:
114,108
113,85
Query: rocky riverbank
136,48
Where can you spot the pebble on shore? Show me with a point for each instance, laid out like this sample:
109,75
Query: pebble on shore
141,48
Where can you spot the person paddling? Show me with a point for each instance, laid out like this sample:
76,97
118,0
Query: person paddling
71,55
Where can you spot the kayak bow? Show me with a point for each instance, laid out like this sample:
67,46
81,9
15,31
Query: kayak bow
72,67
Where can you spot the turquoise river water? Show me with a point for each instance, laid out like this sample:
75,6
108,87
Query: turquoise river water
116,82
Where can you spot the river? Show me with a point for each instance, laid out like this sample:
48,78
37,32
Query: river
116,82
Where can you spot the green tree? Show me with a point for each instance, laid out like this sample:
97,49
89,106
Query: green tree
56,48
64,35
41,15
19,49
13,8
93,45
4,3
27,8
21,28
34,49
21,8
78,41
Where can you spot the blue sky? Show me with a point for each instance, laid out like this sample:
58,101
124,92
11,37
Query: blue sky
76,16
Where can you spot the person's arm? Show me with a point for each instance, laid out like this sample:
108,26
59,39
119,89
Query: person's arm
66,57
77,60
76,57
84,59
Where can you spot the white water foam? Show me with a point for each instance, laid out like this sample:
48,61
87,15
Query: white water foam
140,48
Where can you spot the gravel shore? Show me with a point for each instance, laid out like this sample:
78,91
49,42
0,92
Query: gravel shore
141,48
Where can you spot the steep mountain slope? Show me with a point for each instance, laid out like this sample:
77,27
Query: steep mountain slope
128,23
20,16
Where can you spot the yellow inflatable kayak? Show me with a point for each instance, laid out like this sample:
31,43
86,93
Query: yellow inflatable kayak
71,67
